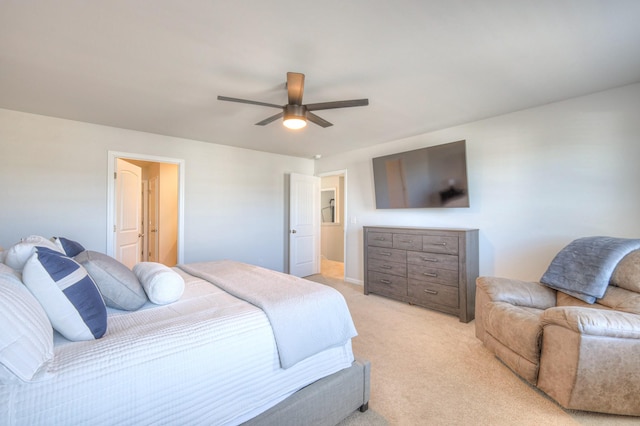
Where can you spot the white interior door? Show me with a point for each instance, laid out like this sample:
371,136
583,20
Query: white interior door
304,225
128,195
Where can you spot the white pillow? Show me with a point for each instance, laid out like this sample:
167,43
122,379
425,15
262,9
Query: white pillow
8,273
162,284
67,293
26,336
18,254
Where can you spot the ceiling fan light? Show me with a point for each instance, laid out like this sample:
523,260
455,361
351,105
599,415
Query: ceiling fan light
294,116
294,123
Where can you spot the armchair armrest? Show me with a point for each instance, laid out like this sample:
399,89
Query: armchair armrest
594,322
518,293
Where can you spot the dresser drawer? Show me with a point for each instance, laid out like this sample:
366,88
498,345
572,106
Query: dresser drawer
387,267
428,293
407,242
399,256
433,260
380,239
440,244
432,275
386,284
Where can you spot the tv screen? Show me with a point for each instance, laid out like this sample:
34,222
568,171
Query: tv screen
435,176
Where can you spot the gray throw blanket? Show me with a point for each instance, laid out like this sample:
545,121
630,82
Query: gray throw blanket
306,317
584,267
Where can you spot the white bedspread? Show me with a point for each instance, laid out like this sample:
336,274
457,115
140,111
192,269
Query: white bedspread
209,358
306,317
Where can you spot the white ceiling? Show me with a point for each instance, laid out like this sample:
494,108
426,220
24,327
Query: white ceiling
158,65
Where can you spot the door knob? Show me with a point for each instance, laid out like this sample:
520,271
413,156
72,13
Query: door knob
293,231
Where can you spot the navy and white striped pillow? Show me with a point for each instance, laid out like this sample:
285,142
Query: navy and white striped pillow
69,247
67,293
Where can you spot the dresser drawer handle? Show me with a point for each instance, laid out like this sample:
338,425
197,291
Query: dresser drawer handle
407,241
428,259
385,253
438,244
380,239
430,274
383,281
431,291
387,267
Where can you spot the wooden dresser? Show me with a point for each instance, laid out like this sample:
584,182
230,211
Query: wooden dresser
431,267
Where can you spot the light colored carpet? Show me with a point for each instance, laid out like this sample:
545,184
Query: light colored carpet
427,368
368,418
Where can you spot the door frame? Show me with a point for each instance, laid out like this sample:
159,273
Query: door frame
145,224
111,167
345,222
154,185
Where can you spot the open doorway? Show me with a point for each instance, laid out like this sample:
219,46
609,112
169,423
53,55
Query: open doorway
332,232
158,212
145,220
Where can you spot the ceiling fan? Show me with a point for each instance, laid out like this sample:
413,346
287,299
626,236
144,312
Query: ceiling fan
296,114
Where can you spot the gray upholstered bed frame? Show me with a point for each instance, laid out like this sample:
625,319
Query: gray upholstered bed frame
325,402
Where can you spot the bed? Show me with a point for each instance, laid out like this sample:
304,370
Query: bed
209,357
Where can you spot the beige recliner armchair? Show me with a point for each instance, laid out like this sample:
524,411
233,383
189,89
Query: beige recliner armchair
584,356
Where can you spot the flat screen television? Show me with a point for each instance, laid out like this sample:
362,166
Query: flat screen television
435,176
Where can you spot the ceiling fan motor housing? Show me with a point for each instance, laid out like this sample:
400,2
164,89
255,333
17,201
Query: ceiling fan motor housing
295,111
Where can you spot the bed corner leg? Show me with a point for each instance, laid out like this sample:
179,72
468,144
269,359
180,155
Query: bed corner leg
364,407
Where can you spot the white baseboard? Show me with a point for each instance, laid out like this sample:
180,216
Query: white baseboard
354,281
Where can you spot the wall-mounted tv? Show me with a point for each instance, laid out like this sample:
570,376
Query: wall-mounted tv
435,176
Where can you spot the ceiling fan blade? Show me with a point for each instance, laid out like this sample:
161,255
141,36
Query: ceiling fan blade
337,104
317,120
270,119
244,101
295,87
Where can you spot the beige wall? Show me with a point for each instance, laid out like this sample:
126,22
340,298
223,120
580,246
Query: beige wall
538,179
54,182
168,237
